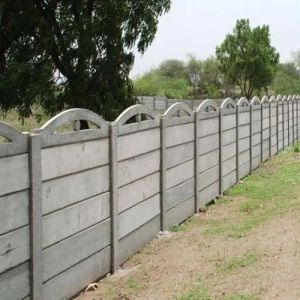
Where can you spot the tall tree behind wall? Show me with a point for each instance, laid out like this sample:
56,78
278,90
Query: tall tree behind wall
72,53
247,58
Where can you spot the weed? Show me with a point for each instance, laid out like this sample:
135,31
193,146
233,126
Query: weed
245,260
297,148
198,292
133,285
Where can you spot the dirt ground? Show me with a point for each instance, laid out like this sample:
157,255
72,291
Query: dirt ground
263,263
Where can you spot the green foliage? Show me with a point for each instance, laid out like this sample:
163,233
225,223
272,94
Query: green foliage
178,79
297,148
247,58
287,79
64,54
194,69
173,68
154,84
296,59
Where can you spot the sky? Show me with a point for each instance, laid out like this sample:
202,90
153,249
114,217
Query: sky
198,26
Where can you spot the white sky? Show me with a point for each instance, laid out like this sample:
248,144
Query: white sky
198,26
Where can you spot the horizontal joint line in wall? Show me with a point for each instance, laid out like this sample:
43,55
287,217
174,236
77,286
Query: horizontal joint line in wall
140,154
77,263
217,164
180,122
207,135
180,144
140,178
186,199
17,153
138,203
74,204
227,159
229,129
119,134
208,152
244,138
77,232
229,144
181,163
15,192
74,143
14,230
173,186
16,266
230,173
139,227
75,173
203,188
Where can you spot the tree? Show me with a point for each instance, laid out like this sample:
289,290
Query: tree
296,59
72,53
247,58
173,68
194,69
286,80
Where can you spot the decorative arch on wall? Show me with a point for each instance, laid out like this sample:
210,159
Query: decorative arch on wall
15,141
207,106
272,99
243,102
135,111
11,134
176,109
255,101
290,98
72,115
51,137
264,100
284,98
136,117
228,104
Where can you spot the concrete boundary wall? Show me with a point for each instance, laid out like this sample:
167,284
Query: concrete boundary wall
75,204
162,103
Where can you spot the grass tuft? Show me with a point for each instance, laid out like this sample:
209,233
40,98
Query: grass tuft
198,292
249,258
133,285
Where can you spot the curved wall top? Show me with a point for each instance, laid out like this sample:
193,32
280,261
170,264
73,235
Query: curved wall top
15,142
131,119
50,136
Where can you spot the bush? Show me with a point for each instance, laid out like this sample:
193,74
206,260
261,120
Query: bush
154,84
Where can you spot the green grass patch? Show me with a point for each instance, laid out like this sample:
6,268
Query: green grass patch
270,190
249,258
186,225
198,292
133,285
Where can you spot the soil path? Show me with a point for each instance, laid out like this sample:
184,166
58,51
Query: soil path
169,266
264,263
